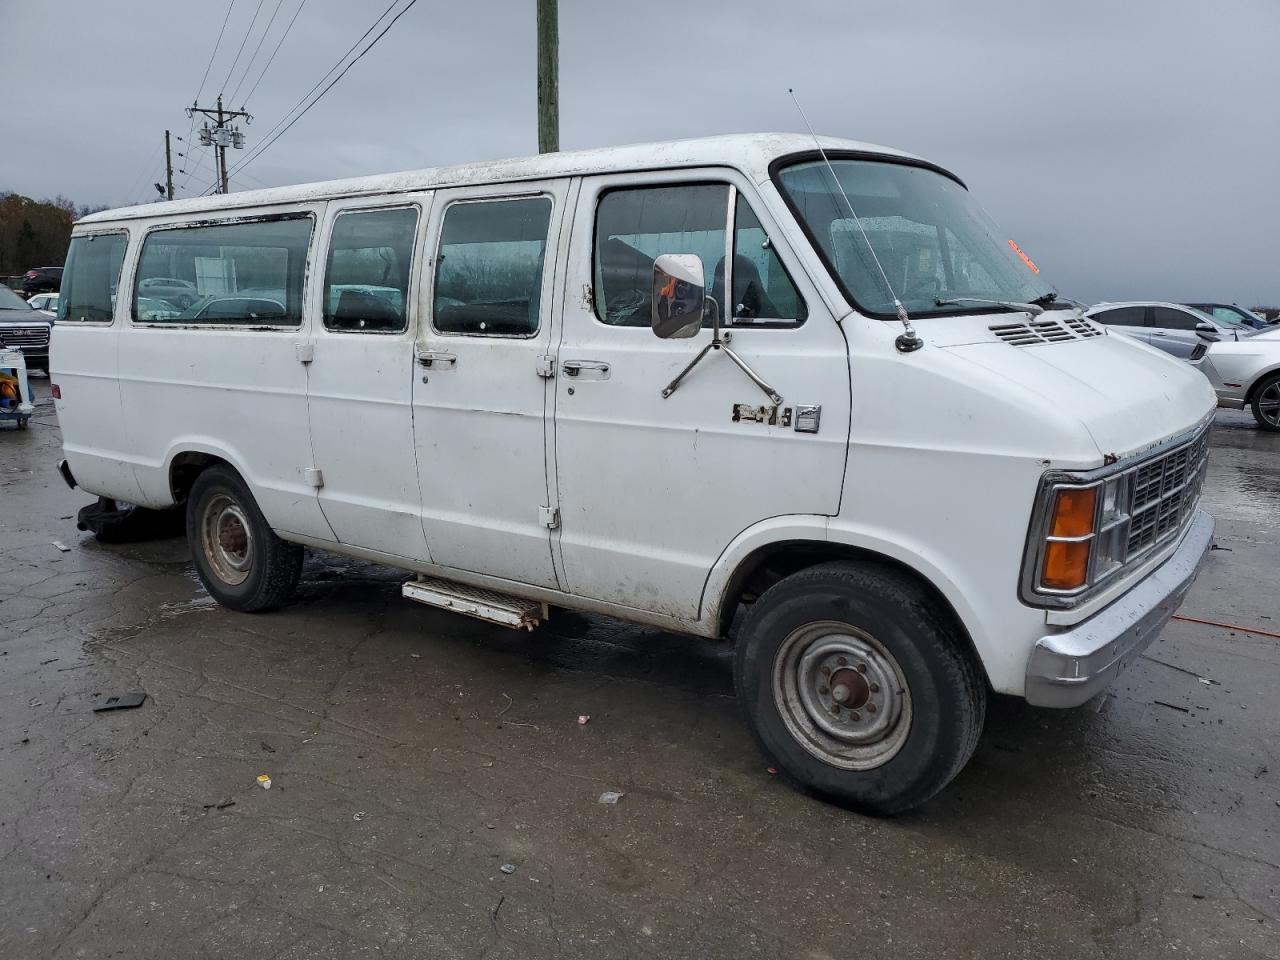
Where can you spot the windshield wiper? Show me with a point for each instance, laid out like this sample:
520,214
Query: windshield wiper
1033,308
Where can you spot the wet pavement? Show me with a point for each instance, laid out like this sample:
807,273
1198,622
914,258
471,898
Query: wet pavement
413,754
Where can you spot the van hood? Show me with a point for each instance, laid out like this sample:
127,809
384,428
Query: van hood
1127,395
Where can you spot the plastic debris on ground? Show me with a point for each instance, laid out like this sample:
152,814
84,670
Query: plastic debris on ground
61,546
583,718
264,781
358,816
508,868
610,797
120,701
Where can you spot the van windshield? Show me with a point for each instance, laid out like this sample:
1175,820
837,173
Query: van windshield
932,239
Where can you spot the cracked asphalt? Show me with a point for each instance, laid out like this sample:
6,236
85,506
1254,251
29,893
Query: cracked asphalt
413,753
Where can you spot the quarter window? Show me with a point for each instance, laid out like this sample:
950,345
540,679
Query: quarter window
248,273
366,287
489,267
1123,317
92,278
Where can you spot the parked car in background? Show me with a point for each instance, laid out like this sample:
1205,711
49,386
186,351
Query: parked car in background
180,293
42,280
24,327
1174,328
1231,315
1246,374
46,303
1269,314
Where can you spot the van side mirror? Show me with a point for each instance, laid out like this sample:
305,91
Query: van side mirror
678,303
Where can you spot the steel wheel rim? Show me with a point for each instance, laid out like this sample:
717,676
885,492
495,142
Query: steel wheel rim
226,540
1269,404
842,695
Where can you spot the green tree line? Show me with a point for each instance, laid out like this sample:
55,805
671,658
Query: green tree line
35,233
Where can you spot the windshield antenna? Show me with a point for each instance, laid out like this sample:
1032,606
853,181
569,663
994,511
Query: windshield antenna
908,341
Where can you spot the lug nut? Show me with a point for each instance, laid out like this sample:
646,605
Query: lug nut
874,688
871,708
856,715
823,691
862,668
842,661
826,671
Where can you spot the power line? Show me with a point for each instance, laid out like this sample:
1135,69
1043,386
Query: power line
249,66
330,71
272,58
262,148
216,44
247,34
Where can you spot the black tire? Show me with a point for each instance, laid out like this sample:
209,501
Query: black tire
1265,395
241,562
895,634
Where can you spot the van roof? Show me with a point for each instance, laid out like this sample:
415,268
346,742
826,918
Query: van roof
751,153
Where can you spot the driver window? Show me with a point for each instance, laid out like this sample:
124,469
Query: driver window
636,225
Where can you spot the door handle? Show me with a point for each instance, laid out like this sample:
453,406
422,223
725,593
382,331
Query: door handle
1158,333
436,361
586,369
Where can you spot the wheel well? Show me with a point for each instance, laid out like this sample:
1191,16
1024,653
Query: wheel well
769,564
1259,381
185,468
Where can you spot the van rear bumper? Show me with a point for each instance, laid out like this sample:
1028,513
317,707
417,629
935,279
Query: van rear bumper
1066,669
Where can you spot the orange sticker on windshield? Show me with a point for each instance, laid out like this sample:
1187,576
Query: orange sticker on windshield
1025,259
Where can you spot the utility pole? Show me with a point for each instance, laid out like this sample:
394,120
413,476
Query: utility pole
220,136
548,76
168,168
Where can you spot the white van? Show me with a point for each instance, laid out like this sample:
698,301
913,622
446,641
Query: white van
482,374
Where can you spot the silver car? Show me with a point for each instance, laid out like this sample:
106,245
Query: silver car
1177,329
1246,373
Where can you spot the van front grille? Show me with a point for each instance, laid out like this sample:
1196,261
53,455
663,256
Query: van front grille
1164,495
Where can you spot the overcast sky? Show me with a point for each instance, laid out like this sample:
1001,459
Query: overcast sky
1130,146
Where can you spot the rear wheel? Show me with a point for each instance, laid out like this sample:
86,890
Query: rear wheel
1266,403
241,562
859,687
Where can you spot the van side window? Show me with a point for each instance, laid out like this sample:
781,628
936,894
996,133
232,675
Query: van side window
91,278
248,273
489,267
366,280
762,288
636,225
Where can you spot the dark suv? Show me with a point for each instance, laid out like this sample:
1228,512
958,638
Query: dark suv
42,280
24,328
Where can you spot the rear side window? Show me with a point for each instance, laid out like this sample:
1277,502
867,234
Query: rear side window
92,278
248,273
1171,319
366,285
1123,317
489,267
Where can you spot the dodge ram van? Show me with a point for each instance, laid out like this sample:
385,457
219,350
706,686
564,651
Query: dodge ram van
799,386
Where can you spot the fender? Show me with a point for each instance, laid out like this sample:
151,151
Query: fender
1004,666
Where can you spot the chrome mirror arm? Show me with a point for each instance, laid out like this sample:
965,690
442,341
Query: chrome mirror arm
717,343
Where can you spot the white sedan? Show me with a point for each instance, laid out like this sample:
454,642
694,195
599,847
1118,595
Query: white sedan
1246,373
46,303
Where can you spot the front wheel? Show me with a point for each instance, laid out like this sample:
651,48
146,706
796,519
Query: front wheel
241,562
859,686
1266,403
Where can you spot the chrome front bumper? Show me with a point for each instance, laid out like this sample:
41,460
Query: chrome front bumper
1066,669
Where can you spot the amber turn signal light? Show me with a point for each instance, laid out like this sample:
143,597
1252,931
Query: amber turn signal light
1066,565
1073,513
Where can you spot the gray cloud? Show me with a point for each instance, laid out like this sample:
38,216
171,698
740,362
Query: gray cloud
1128,147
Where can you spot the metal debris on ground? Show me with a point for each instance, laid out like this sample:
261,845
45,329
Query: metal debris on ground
508,868
611,797
121,701
61,546
1171,706
264,781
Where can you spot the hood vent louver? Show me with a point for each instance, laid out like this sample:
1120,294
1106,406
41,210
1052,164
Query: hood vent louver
1046,331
